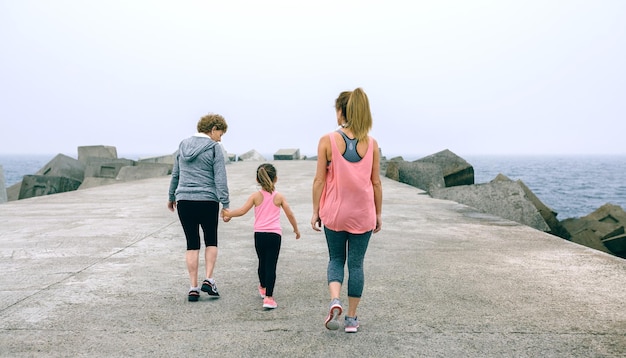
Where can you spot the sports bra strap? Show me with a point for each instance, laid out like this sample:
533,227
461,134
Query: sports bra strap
350,154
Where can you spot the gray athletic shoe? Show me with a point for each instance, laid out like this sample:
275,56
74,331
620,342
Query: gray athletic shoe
210,288
351,324
334,311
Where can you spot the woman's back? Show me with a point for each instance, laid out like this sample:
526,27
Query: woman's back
347,202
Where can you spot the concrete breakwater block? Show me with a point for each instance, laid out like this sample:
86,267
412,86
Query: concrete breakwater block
384,162
604,228
111,168
105,167
63,166
166,159
39,185
287,154
589,238
143,171
166,166
444,175
252,155
616,245
420,175
501,198
548,215
3,189
98,151
97,165
456,171
13,192
91,182
65,173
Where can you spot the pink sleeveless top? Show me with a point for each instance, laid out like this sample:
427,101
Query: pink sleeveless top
267,215
347,202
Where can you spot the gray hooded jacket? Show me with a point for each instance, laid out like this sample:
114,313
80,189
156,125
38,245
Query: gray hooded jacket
199,171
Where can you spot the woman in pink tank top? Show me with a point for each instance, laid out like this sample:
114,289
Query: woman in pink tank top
347,201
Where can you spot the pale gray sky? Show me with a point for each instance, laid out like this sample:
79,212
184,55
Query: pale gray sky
475,77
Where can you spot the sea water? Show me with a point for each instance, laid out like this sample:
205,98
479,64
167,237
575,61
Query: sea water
572,186
18,165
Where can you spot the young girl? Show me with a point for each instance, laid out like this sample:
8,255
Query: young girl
267,230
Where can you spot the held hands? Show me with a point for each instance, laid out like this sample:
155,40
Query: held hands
225,216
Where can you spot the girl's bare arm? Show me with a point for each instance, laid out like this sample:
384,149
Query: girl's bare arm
244,209
290,216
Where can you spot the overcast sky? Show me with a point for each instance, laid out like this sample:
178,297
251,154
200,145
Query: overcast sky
474,77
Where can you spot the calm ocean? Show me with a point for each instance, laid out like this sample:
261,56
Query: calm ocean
573,186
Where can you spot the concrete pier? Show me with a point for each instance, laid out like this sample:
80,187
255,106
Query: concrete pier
100,272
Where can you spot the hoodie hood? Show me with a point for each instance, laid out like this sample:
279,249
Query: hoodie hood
191,147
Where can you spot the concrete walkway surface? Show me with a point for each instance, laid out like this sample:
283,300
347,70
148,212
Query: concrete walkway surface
100,272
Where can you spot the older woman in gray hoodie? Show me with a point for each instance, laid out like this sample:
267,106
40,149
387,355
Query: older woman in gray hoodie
197,188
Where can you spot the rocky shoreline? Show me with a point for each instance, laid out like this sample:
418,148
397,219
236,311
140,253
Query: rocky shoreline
442,175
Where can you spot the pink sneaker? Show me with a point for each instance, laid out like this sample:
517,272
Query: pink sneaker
351,324
262,291
268,302
334,312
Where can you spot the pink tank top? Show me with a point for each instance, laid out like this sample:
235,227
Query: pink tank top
347,202
267,215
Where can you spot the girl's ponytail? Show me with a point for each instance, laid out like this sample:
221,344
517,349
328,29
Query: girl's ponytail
265,175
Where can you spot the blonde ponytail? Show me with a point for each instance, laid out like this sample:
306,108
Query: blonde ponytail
358,114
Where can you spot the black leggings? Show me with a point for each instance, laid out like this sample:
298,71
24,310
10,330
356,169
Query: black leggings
267,245
196,214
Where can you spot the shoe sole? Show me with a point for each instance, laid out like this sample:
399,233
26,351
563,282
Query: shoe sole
269,306
193,298
206,288
352,329
331,322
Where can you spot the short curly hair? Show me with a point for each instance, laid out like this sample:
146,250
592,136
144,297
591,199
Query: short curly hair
210,121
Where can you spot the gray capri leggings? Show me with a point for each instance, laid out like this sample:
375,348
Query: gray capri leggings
343,245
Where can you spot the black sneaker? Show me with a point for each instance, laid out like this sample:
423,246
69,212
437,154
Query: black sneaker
194,295
210,288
